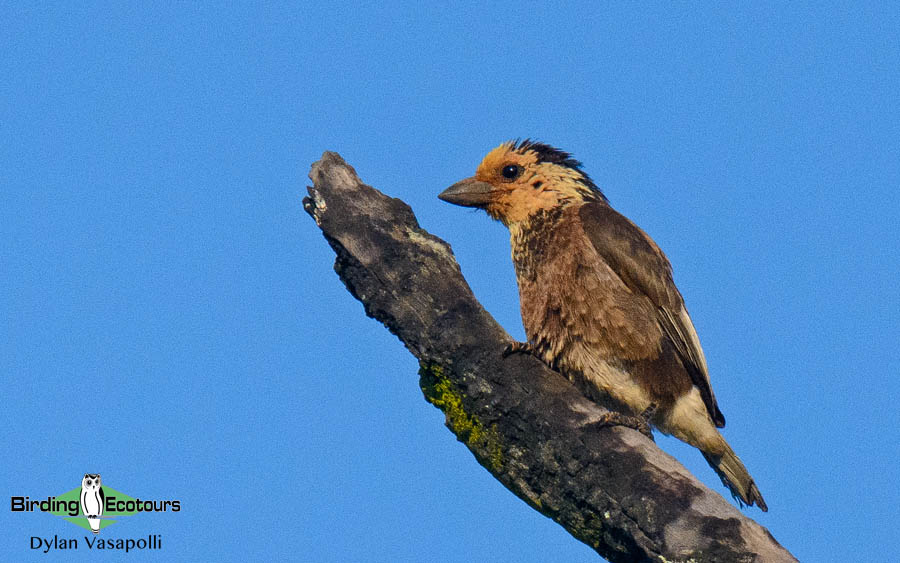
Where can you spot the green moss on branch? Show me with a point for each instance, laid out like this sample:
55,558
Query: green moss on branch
441,392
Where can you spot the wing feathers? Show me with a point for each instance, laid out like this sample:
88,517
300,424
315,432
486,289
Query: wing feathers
642,266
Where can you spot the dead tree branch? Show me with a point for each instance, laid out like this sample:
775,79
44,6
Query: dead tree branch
611,488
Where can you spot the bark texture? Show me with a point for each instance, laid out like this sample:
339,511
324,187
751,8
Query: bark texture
610,487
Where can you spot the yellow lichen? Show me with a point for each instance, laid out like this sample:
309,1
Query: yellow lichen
439,391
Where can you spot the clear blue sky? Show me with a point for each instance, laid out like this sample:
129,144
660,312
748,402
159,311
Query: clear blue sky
170,318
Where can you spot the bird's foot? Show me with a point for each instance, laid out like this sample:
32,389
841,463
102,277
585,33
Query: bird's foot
649,412
519,348
639,423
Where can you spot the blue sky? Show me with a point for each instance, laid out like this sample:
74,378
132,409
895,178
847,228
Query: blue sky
170,318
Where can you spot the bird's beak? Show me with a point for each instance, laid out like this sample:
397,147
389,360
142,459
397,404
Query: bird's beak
468,193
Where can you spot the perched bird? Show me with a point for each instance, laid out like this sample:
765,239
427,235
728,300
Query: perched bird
598,300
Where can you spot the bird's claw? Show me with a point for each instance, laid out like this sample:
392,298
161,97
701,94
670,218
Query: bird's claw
649,412
639,423
517,348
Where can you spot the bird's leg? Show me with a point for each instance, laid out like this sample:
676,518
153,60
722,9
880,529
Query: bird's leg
640,423
649,412
519,348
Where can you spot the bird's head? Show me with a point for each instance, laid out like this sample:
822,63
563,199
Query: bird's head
518,179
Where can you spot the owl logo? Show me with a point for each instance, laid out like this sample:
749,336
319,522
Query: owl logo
92,500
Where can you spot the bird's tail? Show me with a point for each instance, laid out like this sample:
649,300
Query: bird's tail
735,476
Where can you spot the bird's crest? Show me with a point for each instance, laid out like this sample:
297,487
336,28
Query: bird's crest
566,170
546,153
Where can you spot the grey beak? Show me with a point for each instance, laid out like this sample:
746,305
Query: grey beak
468,193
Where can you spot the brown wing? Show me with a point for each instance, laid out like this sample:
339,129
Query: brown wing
643,267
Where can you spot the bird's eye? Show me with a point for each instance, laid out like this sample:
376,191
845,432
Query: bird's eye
511,171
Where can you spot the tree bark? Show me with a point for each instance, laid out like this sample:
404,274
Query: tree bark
610,487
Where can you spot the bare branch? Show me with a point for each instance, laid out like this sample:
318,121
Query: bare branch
611,488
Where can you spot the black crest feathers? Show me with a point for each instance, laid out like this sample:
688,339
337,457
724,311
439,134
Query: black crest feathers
553,155
546,153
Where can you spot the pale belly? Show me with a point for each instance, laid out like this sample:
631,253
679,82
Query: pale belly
602,379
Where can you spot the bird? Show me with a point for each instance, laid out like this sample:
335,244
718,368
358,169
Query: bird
599,303
92,499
